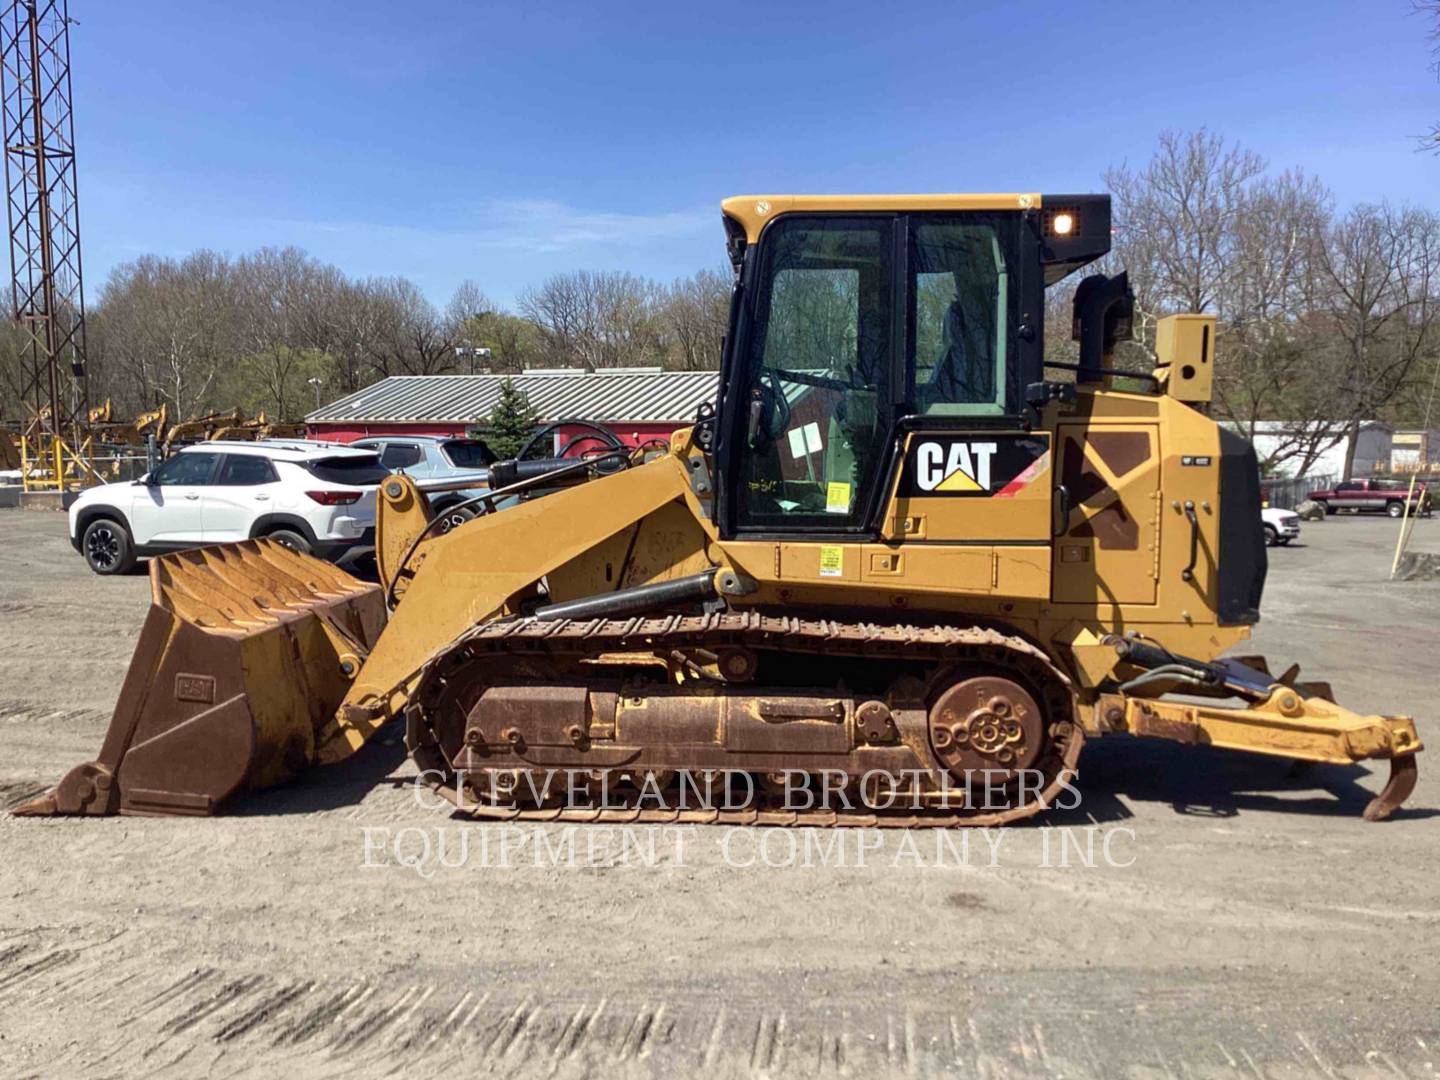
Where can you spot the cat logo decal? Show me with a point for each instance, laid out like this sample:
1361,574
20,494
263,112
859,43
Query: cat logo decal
974,465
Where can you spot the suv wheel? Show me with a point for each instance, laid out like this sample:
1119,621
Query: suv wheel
453,518
107,547
291,539
1395,509
1271,536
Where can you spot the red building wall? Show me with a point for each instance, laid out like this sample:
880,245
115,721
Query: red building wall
630,434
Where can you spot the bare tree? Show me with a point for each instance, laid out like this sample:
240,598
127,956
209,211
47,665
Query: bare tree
1203,228
412,337
281,294
1268,364
467,302
168,329
14,370
695,314
1430,9
1177,219
1381,268
595,319
356,325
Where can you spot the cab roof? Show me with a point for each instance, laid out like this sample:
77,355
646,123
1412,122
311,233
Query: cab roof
1086,239
753,211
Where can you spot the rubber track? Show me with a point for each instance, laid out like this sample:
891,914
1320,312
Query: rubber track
762,632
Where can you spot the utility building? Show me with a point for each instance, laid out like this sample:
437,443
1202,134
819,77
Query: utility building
637,403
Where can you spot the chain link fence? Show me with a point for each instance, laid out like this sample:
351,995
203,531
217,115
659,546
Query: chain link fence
1286,493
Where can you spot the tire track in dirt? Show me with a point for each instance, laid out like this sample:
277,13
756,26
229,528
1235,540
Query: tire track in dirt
226,1022
29,712
15,792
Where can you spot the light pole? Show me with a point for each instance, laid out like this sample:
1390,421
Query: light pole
316,382
472,353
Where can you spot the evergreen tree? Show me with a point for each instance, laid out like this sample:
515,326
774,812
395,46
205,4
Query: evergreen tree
511,421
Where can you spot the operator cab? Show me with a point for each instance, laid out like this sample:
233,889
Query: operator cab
858,319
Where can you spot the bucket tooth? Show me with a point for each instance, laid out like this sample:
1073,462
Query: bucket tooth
246,653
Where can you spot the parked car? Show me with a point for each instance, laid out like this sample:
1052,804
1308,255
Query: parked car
314,497
1378,496
1281,526
431,459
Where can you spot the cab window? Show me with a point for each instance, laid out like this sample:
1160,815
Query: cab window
187,469
963,302
815,395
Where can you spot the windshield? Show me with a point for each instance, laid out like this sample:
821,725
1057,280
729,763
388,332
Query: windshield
467,453
815,382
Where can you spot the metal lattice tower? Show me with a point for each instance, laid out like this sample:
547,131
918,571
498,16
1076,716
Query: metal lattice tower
47,292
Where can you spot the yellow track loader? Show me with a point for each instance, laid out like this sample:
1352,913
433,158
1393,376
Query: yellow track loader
898,575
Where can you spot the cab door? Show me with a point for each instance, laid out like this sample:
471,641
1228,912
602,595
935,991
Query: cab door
811,415
1110,486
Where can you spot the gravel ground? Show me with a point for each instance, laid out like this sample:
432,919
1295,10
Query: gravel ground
1246,922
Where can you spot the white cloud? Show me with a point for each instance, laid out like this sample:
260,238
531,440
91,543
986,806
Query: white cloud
549,225
501,244
540,226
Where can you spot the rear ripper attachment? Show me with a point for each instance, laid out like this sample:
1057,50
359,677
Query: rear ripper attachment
827,723
1280,716
245,654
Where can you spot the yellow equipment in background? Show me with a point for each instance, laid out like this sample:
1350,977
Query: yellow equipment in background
259,428
9,452
53,462
199,428
102,427
234,425
904,553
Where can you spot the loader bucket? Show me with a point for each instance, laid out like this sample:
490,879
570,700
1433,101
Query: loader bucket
247,651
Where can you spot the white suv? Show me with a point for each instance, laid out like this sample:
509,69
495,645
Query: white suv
314,497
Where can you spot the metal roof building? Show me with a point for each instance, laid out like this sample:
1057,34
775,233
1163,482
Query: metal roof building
638,403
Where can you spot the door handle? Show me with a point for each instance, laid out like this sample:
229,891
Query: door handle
1188,574
1062,504
261,497
192,494
757,410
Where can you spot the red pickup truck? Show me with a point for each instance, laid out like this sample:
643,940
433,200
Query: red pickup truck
1381,496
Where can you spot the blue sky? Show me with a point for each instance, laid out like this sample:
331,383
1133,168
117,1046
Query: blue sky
505,141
